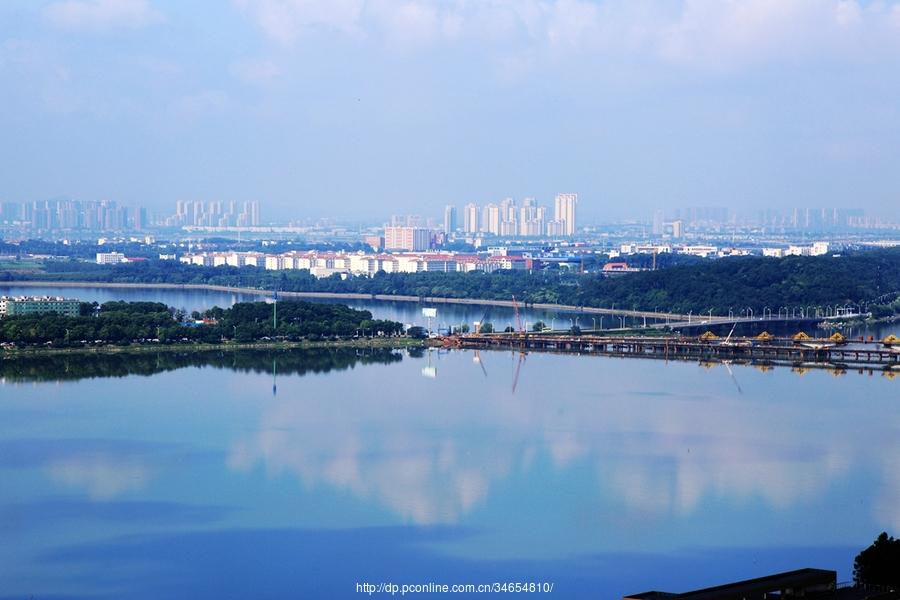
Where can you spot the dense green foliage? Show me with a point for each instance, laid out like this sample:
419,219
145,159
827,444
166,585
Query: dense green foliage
254,320
719,285
73,366
127,322
879,564
756,283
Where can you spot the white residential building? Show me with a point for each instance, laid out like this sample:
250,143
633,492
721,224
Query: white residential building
564,212
110,258
701,251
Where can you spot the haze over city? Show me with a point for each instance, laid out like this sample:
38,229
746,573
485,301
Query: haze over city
360,109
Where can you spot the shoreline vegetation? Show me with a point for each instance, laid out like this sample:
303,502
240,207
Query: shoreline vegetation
864,281
122,324
263,293
327,295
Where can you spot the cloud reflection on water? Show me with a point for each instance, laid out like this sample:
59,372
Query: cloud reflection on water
102,477
653,454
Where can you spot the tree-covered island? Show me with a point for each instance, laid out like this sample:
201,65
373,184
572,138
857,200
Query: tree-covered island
124,323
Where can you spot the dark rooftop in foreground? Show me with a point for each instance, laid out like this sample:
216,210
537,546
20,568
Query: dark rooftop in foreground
791,584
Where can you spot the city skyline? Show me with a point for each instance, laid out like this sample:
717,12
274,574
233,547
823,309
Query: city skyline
526,217
411,107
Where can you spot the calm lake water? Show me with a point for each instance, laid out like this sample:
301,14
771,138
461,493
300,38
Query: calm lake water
406,312
299,474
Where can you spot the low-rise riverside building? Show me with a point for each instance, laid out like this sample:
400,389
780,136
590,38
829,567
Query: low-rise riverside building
325,264
110,258
11,306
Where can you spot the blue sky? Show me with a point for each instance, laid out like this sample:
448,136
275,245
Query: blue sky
364,108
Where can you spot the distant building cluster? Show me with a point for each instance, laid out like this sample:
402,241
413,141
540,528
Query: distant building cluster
73,215
700,250
707,251
817,249
511,219
11,306
325,264
675,222
214,214
504,219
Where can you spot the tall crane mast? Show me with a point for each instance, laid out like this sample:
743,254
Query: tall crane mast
519,326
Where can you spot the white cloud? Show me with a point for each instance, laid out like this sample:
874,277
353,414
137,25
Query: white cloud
408,23
284,20
203,103
255,71
703,33
102,15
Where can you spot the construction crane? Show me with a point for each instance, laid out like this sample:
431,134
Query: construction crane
480,324
519,327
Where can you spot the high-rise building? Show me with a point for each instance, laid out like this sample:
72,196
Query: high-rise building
491,219
658,222
449,218
564,212
470,218
508,217
531,218
678,229
556,227
414,239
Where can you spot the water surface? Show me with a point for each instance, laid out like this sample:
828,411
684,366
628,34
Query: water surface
410,313
302,473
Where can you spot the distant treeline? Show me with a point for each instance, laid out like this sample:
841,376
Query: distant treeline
737,283
127,322
73,366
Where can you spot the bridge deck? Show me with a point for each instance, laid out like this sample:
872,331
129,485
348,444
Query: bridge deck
742,349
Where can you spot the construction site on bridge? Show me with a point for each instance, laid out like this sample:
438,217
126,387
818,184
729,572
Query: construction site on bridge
800,350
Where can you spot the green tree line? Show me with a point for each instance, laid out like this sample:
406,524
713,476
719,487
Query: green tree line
126,322
736,283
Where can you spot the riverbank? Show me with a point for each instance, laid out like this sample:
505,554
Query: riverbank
566,308
396,343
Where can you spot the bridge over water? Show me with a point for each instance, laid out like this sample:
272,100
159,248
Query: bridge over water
785,351
725,321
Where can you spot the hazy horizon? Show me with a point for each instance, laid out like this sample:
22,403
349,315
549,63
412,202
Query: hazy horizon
359,109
